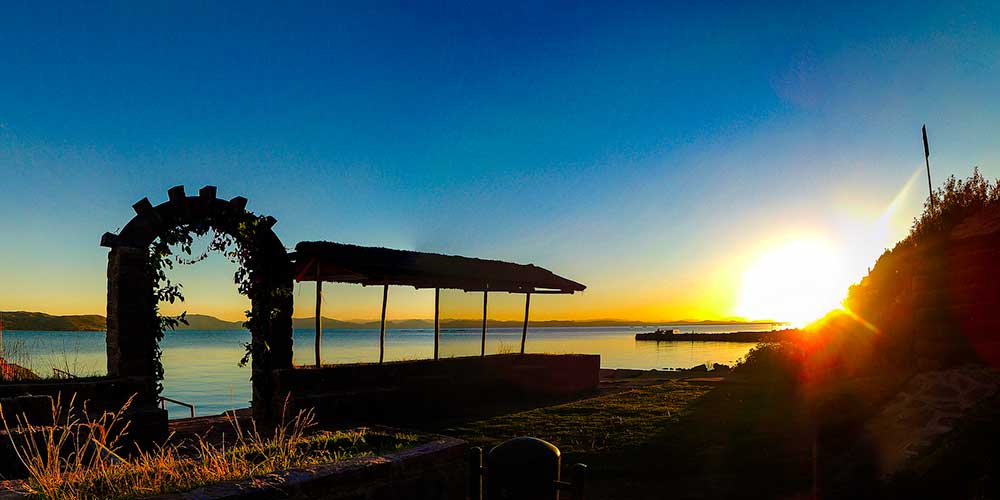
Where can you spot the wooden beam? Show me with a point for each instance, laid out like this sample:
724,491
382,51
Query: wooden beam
482,348
319,314
306,268
524,329
381,335
437,321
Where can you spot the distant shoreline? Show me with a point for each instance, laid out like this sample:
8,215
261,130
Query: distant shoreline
35,321
752,337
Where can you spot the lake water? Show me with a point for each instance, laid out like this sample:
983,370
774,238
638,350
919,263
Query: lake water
200,367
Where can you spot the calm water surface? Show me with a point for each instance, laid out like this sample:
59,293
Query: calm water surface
200,367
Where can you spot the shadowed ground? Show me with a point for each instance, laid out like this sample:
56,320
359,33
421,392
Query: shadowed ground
691,435
659,435
685,438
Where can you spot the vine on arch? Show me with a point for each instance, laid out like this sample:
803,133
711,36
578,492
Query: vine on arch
240,239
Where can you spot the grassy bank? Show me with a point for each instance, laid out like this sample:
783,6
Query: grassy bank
589,428
81,458
674,439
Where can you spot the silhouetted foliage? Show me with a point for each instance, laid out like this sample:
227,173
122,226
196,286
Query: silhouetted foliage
952,203
875,298
240,239
773,362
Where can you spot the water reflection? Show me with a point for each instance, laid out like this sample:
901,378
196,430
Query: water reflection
200,367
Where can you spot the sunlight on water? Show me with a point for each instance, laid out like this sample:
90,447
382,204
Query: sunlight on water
200,367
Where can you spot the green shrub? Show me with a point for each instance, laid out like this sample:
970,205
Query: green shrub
773,362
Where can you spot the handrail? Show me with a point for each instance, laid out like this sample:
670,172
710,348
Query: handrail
64,373
164,400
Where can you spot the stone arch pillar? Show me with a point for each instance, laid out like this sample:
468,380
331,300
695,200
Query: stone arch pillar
131,341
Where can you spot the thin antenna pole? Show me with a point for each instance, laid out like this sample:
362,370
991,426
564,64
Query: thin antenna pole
927,161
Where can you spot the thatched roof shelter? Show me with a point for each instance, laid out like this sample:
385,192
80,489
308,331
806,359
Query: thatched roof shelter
344,263
321,261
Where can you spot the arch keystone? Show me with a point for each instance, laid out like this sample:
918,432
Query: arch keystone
144,208
238,203
207,193
176,194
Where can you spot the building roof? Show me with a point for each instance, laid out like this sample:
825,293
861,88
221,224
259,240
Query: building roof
344,263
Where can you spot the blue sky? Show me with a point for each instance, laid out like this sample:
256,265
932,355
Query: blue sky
651,151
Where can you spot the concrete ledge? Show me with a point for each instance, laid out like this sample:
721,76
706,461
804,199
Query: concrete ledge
421,389
110,392
434,470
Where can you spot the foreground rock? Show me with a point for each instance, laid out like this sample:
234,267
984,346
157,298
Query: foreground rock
928,406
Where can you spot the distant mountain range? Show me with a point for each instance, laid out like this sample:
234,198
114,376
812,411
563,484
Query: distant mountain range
21,320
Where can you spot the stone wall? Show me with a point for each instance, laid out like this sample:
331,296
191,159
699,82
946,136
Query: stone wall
34,399
424,389
100,393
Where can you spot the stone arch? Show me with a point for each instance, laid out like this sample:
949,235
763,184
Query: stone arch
131,340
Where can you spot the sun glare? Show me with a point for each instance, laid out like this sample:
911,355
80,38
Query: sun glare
798,282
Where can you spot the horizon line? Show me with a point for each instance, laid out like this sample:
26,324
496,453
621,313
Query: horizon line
370,320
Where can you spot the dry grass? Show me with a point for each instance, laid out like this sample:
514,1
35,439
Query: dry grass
81,457
14,357
505,348
21,362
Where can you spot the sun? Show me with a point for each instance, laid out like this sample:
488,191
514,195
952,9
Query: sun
798,282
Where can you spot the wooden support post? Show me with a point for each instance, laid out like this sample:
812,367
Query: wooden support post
437,321
381,335
524,329
486,294
319,314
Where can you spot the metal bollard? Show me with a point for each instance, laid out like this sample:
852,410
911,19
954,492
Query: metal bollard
523,468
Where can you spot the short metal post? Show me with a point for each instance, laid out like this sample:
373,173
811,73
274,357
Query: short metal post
578,476
475,473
